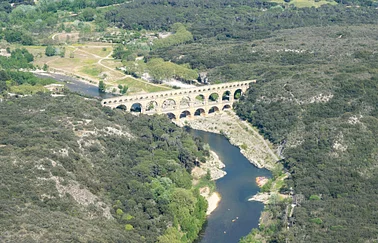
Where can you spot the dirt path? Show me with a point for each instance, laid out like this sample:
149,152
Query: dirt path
53,36
108,57
99,62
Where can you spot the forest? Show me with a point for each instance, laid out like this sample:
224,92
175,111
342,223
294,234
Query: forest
315,98
95,175
323,110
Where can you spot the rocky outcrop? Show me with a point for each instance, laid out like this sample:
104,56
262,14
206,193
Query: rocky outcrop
240,133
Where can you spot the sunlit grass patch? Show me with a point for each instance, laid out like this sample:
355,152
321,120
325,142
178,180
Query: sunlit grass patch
112,63
27,89
139,86
305,3
92,70
99,51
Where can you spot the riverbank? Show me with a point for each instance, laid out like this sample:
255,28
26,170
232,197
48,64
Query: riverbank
234,216
240,133
64,75
214,166
213,199
253,146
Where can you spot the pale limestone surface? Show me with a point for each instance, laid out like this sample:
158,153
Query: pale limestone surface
240,133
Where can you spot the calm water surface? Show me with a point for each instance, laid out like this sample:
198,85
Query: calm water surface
75,85
235,188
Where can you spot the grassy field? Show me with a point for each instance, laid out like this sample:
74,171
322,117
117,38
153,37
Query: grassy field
88,61
92,70
136,86
112,63
27,89
99,51
305,3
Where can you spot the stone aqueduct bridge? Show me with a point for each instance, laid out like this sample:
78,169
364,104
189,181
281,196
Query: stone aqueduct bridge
178,103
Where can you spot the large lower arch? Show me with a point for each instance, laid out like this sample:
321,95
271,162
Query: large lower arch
185,102
122,107
171,116
213,109
200,112
237,94
226,107
168,104
136,107
214,97
152,106
185,114
226,95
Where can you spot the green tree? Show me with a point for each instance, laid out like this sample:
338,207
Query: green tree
172,235
129,227
101,86
124,89
62,52
50,51
88,14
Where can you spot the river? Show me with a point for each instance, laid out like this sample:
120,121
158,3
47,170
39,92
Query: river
76,85
235,216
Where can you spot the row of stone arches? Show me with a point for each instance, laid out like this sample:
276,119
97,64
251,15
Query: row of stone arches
198,112
186,113
192,91
185,102
199,99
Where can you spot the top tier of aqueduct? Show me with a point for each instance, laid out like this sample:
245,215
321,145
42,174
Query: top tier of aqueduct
198,100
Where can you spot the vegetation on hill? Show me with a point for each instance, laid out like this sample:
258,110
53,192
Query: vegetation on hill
180,36
322,109
159,70
315,98
14,81
74,171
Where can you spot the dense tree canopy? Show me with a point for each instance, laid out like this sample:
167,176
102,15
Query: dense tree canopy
315,99
79,165
325,117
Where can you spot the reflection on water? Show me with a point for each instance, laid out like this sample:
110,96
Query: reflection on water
75,85
235,217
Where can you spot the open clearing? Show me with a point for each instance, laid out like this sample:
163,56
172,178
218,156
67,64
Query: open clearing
92,62
136,86
305,3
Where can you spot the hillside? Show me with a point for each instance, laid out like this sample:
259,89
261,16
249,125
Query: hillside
73,171
322,109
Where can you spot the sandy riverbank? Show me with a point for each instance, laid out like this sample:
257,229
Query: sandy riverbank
240,133
215,166
213,199
262,197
